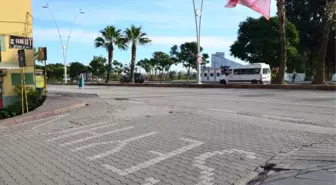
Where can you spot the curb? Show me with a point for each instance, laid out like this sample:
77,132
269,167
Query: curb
227,86
34,117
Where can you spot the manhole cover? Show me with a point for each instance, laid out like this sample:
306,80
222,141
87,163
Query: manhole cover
121,99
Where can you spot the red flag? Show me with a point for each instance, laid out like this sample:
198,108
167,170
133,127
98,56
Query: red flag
261,6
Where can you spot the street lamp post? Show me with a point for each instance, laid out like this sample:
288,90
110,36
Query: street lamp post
198,13
64,47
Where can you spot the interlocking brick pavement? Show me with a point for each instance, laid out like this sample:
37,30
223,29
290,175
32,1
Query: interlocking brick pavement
173,148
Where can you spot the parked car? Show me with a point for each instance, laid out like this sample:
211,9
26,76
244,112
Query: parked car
137,78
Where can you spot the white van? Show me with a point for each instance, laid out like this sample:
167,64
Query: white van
258,73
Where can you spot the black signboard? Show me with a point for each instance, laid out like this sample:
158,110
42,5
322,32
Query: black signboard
20,42
22,58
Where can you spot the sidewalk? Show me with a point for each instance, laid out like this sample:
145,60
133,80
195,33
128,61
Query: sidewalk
53,105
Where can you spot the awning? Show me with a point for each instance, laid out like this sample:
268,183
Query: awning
9,65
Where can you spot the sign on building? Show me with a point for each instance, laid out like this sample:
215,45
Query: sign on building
22,58
17,42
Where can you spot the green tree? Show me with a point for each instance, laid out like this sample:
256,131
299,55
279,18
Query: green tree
258,42
187,55
180,76
163,61
118,68
76,68
172,75
110,38
308,20
98,66
145,64
54,71
135,36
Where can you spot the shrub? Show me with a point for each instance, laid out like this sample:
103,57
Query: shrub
35,99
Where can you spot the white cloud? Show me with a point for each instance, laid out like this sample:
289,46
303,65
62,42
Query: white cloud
80,36
77,35
209,42
176,14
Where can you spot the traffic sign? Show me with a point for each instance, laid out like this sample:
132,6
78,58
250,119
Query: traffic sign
22,58
199,59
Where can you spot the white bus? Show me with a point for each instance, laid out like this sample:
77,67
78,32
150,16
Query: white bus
258,73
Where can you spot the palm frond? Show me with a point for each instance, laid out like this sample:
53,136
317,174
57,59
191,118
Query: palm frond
99,42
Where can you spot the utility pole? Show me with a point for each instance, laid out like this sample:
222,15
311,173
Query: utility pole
198,13
64,47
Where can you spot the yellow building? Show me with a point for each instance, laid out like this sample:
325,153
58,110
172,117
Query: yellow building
16,32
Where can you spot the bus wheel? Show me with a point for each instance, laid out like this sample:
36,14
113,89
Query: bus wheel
254,82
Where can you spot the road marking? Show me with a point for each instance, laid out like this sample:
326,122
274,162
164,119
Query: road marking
111,142
136,102
220,110
95,136
72,129
50,121
121,144
206,173
256,101
151,181
156,153
264,116
286,118
92,145
82,131
154,160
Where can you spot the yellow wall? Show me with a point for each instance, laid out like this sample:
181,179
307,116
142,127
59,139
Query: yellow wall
15,19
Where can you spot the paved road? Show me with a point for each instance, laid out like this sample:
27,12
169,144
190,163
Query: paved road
165,136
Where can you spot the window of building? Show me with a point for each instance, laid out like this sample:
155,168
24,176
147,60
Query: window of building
205,74
211,74
218,74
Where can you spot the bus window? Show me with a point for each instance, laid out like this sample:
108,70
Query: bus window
237,71
266,71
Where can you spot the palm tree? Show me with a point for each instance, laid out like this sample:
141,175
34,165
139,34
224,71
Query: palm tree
283,54
135,36
110,38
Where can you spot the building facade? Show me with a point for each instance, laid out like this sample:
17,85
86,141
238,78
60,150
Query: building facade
218,59
16,32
